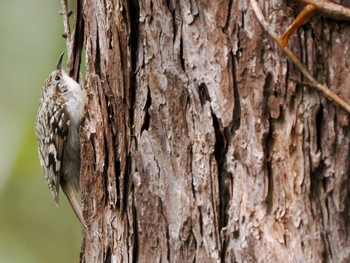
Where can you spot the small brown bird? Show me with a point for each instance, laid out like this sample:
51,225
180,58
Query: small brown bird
62,107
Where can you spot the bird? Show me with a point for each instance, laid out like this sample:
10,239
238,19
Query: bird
61,110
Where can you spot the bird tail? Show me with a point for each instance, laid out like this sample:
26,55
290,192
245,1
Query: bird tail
72,195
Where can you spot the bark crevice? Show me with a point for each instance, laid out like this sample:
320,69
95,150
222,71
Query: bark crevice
197,128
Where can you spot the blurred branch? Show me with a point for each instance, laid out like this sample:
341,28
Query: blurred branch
65,13
74,40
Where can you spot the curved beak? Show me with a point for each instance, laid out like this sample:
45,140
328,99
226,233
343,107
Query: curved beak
59,63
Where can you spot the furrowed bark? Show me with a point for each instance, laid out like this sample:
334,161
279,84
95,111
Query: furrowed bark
199,145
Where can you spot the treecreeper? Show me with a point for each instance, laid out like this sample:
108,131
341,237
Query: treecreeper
61,109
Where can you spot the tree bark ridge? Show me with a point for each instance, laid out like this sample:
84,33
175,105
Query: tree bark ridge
197,145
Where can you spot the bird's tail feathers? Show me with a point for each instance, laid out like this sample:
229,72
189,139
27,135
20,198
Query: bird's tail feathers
72,195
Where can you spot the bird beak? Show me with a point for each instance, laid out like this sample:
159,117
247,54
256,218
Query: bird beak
59,63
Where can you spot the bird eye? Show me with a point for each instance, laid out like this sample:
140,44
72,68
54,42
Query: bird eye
57,78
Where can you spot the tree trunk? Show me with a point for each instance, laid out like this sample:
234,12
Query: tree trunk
199,145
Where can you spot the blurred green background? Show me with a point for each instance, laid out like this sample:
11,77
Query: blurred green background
32,228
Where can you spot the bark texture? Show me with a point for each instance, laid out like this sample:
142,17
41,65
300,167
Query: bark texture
198,147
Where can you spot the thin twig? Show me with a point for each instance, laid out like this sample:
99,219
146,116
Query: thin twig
67,33
302,18
330,9
313,82
303,83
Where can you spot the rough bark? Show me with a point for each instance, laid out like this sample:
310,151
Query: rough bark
198,147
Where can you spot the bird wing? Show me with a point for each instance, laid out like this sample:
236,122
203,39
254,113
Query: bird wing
52,131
